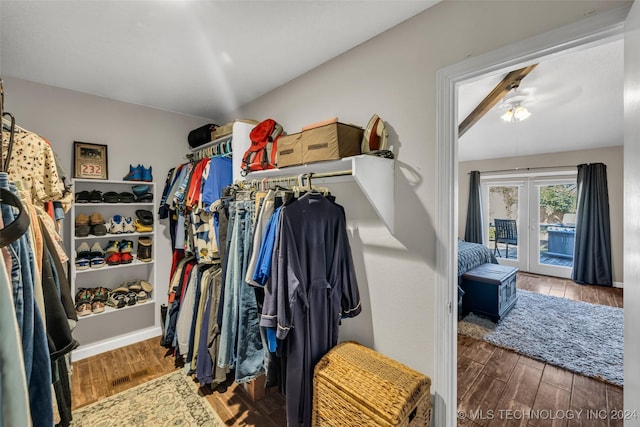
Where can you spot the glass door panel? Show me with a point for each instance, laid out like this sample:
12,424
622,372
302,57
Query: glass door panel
555,212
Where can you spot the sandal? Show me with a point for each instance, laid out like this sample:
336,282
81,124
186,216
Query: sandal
83,309
144,216
141,297
110,197
97,307
126,197
117,300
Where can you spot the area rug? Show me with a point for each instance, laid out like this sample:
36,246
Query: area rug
584,338
171,400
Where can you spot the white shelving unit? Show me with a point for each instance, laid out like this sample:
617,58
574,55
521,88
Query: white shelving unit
113,328
374,175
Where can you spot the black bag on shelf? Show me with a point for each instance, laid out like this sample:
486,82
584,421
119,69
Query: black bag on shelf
202,135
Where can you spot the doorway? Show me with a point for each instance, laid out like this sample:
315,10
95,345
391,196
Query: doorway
597,29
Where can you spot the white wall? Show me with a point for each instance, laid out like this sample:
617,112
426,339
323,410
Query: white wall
610,156
394,75
133,134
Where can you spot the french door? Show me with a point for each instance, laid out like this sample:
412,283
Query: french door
543,208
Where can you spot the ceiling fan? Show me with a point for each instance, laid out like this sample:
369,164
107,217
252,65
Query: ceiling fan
501,90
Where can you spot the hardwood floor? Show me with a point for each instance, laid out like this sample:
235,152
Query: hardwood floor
100,376
498,387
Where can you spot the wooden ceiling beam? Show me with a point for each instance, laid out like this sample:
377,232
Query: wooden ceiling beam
508,82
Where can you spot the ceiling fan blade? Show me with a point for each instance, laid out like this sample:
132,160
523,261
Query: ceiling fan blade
511,80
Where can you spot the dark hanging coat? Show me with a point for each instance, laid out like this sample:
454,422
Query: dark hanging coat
313,286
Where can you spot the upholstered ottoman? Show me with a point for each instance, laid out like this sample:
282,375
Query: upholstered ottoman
490,290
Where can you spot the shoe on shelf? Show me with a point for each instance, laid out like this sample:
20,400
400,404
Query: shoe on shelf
82,197
141,297
84,295
140,189
141,228
82,263
82,219
135,173
116,225
125,246
96,256
134,285
127,225
112,246
145,249
146,286
95,196
83,309
110,197
83,251
82,230
98,230
100,297
144,216
117,299
114,259
126,197
145,198
146,174
126,258
122,288
96,218
132,297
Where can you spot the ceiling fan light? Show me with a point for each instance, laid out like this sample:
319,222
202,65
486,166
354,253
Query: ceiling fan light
521,113
508,116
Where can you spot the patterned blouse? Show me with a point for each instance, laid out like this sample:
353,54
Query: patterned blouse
33,162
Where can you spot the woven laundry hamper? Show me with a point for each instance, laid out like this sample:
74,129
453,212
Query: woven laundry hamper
354,386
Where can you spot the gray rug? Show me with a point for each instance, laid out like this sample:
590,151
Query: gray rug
584,338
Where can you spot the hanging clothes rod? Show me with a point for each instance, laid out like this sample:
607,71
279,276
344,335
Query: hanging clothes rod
528,169
219,147
296,179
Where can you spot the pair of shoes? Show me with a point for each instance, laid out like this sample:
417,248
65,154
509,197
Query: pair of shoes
119,252
89,257
139,173
119,224
145,249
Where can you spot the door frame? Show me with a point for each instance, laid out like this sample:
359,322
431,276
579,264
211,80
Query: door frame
593,30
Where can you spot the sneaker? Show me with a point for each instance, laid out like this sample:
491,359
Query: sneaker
83,251
114,259
125,247
145,249
146,174
140,189
127,225
126,258
96,256
112,246
135,173
82,263
116,225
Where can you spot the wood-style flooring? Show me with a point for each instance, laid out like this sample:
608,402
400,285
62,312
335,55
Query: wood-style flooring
489,378
100,376
497,387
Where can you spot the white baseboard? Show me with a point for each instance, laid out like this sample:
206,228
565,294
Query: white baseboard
618,284
92,349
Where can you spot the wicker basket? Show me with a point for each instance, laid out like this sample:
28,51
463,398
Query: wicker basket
354,386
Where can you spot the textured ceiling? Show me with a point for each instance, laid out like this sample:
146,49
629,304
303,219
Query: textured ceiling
577,104
202,58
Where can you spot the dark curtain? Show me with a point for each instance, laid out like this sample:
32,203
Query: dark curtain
473,227
592,255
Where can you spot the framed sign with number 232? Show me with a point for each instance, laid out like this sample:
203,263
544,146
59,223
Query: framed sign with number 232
90,161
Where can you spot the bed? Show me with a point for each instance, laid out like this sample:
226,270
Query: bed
471,255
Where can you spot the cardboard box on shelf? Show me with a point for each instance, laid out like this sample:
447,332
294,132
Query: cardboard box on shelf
289,150
331,142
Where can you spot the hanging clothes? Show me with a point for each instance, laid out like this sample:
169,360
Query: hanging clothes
313,286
